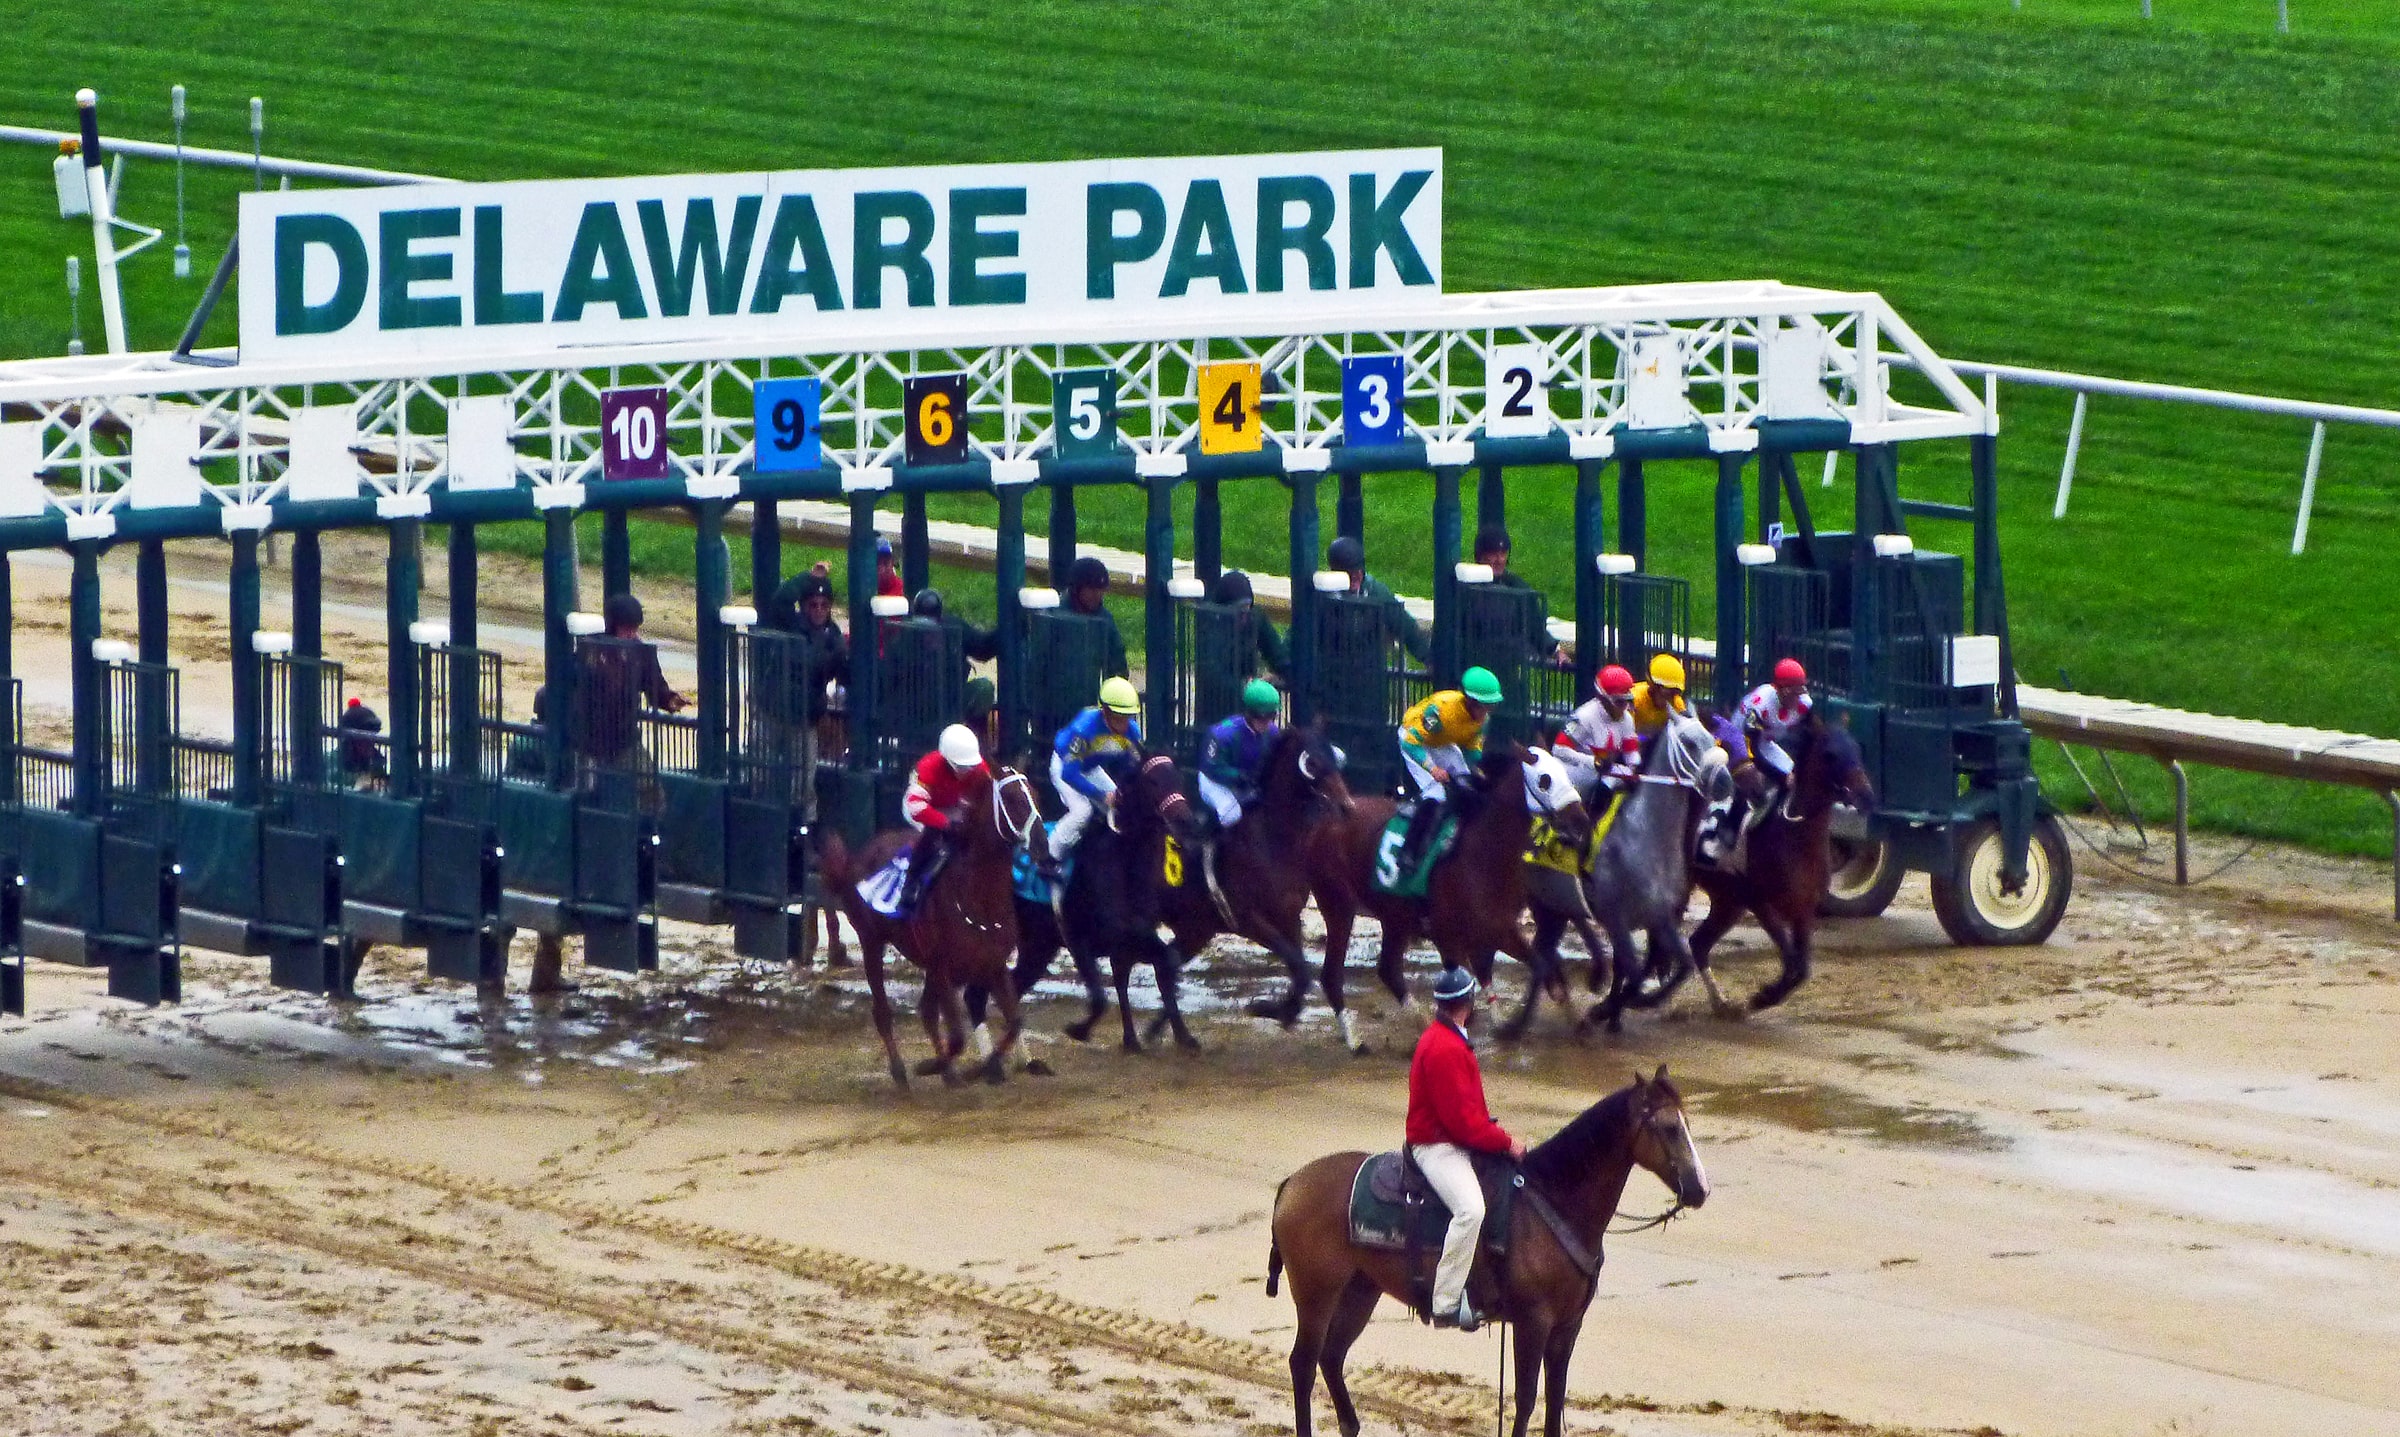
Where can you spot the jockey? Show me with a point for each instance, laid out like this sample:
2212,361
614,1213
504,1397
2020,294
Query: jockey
1233,754
1772,710
1442,740
1599,744
1100,732
1660,696
1727,817
936,794
1448,1119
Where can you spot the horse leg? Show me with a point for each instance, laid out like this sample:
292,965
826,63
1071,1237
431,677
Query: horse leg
1338,916
1531,1350
1555,1356
1121,967
929,1013
1723,913
1793,945
954,1010
1167,968
1351,1312
1284,943
1308,1340
1012,1028
1391,960
1095,994
1547,928
1609,1012
871,957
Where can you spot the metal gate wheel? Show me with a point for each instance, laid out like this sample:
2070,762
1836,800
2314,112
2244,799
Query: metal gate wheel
1865,879
1971,906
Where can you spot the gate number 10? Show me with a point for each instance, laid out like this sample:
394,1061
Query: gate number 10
633,434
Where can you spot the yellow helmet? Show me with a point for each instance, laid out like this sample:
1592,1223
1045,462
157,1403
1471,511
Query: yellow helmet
1117,696
1666,671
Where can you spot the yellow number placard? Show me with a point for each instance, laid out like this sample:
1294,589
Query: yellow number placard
1229,419
1172,869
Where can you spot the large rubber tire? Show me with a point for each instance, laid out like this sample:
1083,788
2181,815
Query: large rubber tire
1973,910
1865,879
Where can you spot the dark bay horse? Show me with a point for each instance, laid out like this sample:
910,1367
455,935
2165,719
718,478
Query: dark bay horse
1552,1271
1471,905
1260,875
1112,905
1638,880
964,927
1785,870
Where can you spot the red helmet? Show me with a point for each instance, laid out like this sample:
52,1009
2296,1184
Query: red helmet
1788,671
1615,681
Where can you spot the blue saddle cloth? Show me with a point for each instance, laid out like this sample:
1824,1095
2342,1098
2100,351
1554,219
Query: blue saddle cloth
1031,885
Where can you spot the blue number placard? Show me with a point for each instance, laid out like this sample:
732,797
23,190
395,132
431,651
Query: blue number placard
788,437
1372,391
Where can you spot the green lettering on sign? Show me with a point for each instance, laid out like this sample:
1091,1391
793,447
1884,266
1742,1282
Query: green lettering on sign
293,236
600,268
721,271
871,254
796,235
1103,248
1204,221
1275,238
395,307
1379,227
970,244
494,303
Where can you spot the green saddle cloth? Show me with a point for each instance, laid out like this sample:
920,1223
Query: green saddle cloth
1388,877
1381,1212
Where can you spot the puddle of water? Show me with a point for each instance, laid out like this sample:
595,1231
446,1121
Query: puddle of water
2280,1199
1935,1041
1822,1108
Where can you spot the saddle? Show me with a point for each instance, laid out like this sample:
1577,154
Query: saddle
1393,1209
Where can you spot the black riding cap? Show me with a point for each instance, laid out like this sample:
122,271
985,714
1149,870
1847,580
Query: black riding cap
1087,573
927,604
621,611
1347,554
1233,587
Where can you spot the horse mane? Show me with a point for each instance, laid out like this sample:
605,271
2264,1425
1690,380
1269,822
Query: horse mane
1570,1153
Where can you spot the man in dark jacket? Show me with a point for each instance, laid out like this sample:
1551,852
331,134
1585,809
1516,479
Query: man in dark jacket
1267,646
802,606
620,675
1087,587
1350,556
1491,551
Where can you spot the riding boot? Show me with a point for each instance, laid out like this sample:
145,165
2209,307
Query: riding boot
1422,824
924,859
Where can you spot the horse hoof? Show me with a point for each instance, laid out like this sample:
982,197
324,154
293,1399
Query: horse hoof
995,1070
950,1078
1556,989
1265,1007
1080,1032
1036,1068
1134,1045
1187,1042
900,1074
1768,997
931,1066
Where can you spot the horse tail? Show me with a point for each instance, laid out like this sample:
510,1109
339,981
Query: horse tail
1274,1248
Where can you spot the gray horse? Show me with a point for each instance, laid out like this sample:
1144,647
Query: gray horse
1638,881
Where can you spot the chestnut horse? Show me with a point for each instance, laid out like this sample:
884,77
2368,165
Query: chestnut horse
1553,1264
965,925
1786,868
1471,903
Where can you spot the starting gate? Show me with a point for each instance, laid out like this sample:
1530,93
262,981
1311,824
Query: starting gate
1216,649
1507,630
1065,656
1366,684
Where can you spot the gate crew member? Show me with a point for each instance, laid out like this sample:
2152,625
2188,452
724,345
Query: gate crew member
1087,587
1660,696
934,806
1492,548
1099,733
1399,625
620,675
802,605
1448,1119
1599,744
1441,742
1266,645
1233,754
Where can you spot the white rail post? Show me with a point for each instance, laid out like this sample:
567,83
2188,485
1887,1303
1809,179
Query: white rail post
2308,486
2066,472
104,243
2283,17
1831,457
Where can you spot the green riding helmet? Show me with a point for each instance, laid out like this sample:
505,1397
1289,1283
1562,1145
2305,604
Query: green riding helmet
1479,685
1261,697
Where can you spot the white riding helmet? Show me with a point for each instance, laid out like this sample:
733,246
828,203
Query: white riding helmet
960,746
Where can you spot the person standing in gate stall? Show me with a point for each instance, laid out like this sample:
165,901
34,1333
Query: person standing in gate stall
1599,745
1087,592
887,571
934,806
1109,731
1491,550
1267,648
1399,625
363,759
803,606
618,676
1448,1120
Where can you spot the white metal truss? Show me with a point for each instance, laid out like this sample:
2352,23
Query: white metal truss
77,417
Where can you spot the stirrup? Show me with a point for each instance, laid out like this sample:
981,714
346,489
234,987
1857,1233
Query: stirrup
1464,1318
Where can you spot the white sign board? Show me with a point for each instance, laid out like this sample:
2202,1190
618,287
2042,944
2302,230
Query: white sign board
841,257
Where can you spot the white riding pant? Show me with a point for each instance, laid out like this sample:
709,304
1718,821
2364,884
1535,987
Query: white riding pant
1079,805
1429,783
1772,755
1221,801
1452,1175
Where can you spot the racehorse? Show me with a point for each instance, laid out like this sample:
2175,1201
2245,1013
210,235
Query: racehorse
1638,880
965,924
1573,1183
1471,904
1111,905
1260,885
1785,870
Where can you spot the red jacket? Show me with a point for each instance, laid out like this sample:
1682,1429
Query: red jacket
934,788
1445,1094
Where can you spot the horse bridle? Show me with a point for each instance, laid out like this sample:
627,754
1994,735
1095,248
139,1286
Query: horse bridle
1649,1117
1682,773
1019,834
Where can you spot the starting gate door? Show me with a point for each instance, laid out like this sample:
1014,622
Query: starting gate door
1507,630
774,700
1216,653
1365,685
1645,615
1065,656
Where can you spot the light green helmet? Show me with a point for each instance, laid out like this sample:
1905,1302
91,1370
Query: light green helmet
1479,685
1261,697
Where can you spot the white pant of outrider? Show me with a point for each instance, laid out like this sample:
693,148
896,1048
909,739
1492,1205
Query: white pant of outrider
1079,804
1452,1175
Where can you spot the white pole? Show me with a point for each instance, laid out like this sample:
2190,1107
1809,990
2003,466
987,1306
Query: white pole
1831,455
74,304
2308,487
2066,472
2283,17
104,244
258,143
183,251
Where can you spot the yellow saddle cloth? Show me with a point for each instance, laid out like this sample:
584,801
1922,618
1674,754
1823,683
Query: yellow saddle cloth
1545,849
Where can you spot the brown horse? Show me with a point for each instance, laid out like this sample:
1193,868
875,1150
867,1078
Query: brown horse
1259,872
964,928
1554,1256
1471,904
1786,868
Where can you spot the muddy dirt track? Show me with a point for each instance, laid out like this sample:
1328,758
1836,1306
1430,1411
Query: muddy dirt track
2143,1180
